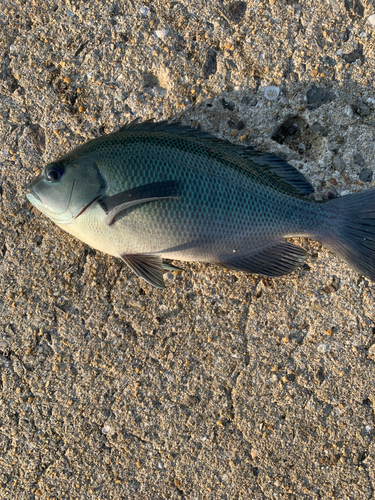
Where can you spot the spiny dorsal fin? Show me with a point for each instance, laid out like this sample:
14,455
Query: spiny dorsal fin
271,165
280,168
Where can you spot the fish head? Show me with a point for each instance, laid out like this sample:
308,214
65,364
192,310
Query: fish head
66,188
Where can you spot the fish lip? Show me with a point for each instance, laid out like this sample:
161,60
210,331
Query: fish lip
33,193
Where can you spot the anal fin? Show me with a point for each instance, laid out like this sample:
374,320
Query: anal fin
275,259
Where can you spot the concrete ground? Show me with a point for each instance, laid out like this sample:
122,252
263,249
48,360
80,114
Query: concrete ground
223,385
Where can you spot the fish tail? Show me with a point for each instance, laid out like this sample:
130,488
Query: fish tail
352,233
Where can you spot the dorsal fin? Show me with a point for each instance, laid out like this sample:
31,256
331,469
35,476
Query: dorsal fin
273,167
279,168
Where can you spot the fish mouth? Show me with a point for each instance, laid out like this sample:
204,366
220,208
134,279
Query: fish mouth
32,195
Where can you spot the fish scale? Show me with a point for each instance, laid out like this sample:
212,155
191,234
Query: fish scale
161,191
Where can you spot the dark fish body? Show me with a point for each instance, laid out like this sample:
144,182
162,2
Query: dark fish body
161,191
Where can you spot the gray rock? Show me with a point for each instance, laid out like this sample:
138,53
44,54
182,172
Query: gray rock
360,108
365,175
210,65
358,159
317,96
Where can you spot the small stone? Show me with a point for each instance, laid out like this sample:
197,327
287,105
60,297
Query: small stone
349,111
106,429
354,7
67,80
228,105
360,108
319,129
249,101
37,137
339,163
317,96
236,11
351,57
144,11
365,175
241,125
161,33
330,61
272,93
323,348
210,64
371,19
357,458
358,159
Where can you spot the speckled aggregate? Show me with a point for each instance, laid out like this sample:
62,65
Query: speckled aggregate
217,388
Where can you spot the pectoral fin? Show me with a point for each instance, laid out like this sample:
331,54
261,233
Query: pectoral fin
275,259
148,267
119,202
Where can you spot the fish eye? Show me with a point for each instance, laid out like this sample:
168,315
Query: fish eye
53,173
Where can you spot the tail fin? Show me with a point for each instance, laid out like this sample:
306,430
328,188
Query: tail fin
353,236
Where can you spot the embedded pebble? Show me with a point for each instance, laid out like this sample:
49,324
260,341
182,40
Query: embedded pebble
161,33
272,93
323,347
366,175
144,11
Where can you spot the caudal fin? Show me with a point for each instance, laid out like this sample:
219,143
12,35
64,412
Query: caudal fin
353,235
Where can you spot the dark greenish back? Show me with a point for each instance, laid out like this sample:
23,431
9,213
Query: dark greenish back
266,169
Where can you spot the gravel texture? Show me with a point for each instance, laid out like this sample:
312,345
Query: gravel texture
224,385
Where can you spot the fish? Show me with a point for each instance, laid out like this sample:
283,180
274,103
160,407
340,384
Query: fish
156,192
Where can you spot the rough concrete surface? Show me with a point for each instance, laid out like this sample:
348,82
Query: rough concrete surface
223,385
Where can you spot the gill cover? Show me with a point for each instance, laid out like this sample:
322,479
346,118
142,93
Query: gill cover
65,189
